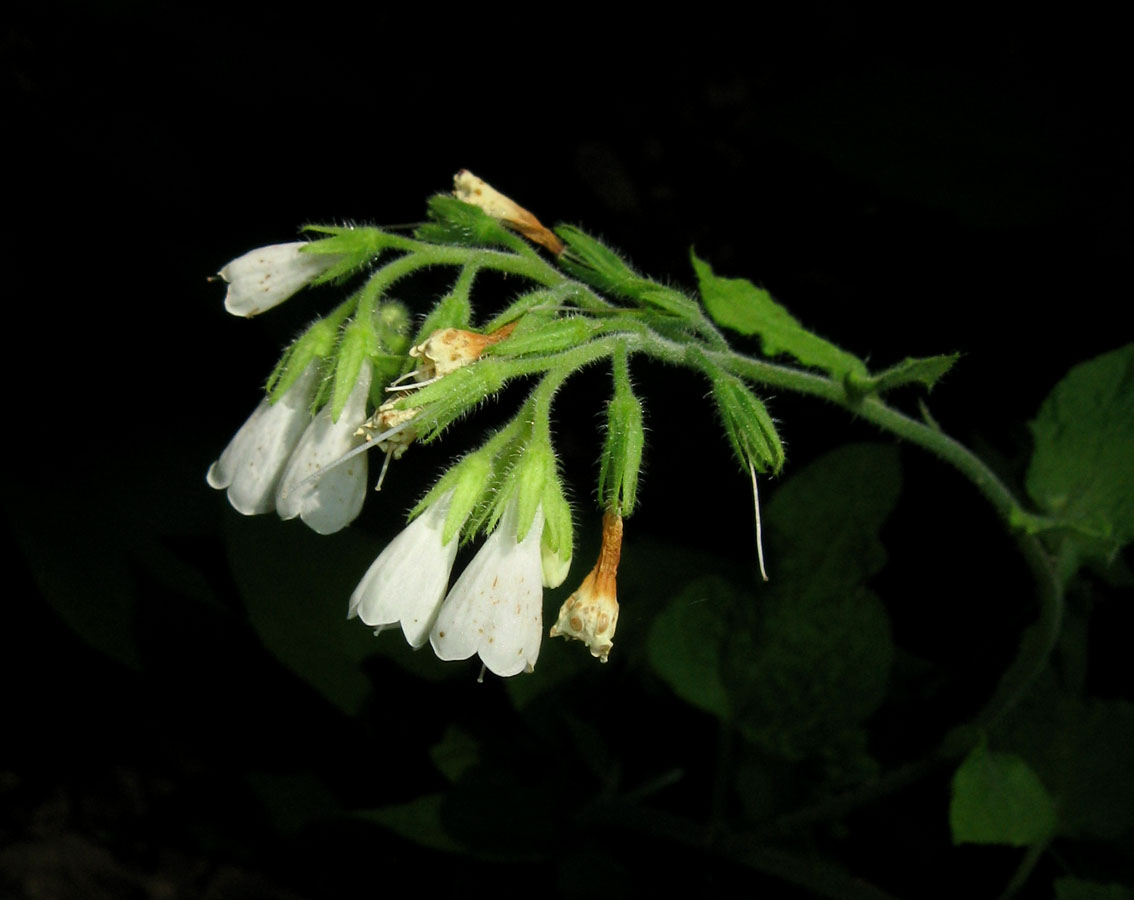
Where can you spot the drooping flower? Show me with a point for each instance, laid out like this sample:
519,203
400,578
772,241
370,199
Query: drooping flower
251,465
496,607
267,276
326,496
591,613
407,582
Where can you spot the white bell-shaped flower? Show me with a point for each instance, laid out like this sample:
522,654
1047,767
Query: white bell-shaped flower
267,276
251,465
496,607
407,582
328,497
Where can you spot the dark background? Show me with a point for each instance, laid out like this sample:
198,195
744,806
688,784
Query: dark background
906,186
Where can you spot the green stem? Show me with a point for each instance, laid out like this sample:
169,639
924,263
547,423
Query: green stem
628,333
1024,870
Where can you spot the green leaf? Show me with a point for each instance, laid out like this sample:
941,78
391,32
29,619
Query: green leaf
1084,752
686,641
293,801
804,669
823,522
419,821
813,656
1068,888
926,370
1082,470
739,305
296,597
998,799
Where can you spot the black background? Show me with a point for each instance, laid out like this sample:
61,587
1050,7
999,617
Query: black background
908,186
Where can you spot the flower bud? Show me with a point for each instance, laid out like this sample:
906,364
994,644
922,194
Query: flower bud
477,192
591,613
541,334
351,353
558,535
749,427
594,263
536,467
264,278
622,450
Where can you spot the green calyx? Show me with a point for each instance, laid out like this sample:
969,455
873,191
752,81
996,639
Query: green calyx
314,345
749,428
542,332
348,364
356,247
448,399
593,263
534,470
557,542
452,221
622,450
467,482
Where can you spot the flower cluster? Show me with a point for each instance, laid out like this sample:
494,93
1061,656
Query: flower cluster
355,380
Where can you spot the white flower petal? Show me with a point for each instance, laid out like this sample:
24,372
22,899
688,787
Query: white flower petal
331,501
251,465
496,607
407,582
267,276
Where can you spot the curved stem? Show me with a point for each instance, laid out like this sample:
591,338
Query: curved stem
627,332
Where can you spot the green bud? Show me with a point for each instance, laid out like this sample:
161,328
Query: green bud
453,221
387,340
749,427
537,333
391,320
557,543
594,263
622,450
666,299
